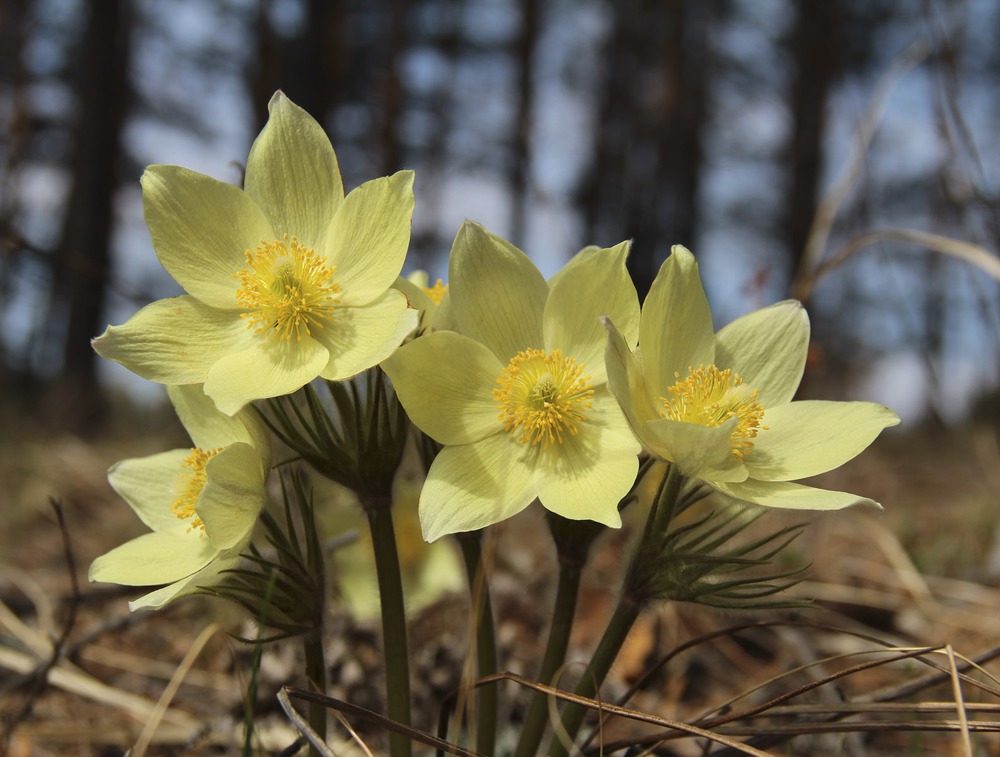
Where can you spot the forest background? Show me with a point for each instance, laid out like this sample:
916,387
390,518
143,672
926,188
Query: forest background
768,136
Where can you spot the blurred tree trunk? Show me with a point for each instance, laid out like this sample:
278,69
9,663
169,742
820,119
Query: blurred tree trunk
648,157
392,89
82,259
13,139
815,48
520,165
310,68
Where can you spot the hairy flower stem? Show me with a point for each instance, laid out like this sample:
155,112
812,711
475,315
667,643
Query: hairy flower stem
607,650
486,645
312,643
555,654
633,598
390,589
573,540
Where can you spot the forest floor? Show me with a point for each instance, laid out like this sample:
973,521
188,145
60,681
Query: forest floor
925,573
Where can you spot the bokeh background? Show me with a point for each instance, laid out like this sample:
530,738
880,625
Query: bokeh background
845,152
718,125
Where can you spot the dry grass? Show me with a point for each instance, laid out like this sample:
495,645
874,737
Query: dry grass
906,598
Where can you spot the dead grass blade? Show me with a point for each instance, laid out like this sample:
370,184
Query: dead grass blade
148,731
968,252
686,729
833,200
414,734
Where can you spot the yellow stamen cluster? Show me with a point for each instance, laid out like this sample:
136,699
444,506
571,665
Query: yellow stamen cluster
710,397
542,396
436,292
190,481
287,289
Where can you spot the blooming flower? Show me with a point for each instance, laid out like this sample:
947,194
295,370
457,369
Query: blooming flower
286,279
200,503
720,406
431,301
517,395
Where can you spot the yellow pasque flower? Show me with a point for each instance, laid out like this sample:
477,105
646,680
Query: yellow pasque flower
201,503
517,394
431,300
286,279
720,406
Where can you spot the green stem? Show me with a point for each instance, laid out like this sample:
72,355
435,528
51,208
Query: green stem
390,589
555,654
312,643
605,654
662,512
634,597
486,645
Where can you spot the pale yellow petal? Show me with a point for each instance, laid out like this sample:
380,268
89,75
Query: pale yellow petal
367,240
359,337
200,229
586,476
445,382
703,452
210,429
417,298
786,495
292,173
808,438
175,341
268,368
233,495
156,558
627,382
593,284
767,348
497,294
147,484
472,486
210,574
675,330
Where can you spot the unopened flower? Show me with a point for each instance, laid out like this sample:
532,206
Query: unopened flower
201,503
719,406
286,279
517,395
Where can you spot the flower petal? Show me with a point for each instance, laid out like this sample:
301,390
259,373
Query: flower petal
807,438
175,340
155,558
586,476
627,382
207,576
497,294
359,337
445,382
417,298
767,348
594,283
791,496
210,429
201,229
471,486
367,240
268,368
704,452
233,495
675,330
292,173
147,484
